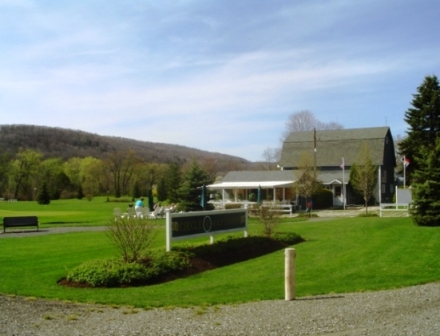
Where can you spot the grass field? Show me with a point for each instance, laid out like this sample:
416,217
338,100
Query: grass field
72,212
339,255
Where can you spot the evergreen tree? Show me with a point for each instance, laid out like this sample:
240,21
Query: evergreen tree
162,190
136,190
423,119
43,196
191,189
174,181
426,187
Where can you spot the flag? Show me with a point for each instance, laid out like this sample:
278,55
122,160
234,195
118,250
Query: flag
405,161
342,164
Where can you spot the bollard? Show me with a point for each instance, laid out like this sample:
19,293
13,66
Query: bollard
289,273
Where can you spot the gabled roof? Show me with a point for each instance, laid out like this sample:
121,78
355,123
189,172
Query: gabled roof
333,145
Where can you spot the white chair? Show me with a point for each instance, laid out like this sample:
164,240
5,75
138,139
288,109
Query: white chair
145,213
156,213
117,213
130,213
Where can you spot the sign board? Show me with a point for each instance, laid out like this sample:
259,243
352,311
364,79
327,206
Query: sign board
203,223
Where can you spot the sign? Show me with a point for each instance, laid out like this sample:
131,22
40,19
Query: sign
204,223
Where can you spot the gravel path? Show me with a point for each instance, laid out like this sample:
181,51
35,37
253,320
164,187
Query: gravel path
407,311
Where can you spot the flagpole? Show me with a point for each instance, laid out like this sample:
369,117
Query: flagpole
343,183
404,172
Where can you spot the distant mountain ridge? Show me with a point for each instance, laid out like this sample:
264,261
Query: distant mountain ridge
67,143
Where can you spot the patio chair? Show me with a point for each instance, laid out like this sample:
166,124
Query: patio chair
156,213
145,213
117,213
130,213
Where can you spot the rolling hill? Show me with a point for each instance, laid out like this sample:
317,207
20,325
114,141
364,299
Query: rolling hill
67,143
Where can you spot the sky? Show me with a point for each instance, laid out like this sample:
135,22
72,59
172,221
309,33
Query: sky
217,75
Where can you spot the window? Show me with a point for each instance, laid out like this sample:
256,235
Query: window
337,191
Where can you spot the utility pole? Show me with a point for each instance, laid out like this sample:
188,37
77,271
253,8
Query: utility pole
314,152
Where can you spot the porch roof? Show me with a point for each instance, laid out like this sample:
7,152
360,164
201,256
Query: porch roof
251,185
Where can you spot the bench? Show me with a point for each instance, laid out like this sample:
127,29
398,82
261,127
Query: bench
20,221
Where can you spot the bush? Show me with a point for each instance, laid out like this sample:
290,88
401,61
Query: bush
289,238
116,272
110,273
322,199
269,217
132,236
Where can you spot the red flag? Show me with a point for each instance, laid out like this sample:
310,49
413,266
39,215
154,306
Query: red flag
405,161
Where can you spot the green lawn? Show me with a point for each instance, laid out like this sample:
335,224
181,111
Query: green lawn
340,255
72,212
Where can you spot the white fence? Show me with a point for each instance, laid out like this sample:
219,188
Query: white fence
394,210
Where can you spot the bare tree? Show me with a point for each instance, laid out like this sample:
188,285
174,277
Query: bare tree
271,157
122,166
306,121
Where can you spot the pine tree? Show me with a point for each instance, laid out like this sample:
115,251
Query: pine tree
174,181
423,119
43,196
426,187
162,190
191,190
136,193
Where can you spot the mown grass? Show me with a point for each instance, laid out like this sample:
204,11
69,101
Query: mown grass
339,255
71,212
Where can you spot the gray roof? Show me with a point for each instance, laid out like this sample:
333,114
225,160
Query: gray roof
333,145
326,177
259,176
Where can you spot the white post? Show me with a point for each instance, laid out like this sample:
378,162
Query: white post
168,229
379,171
289,273
343,185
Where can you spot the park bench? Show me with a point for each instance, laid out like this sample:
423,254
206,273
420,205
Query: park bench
9,222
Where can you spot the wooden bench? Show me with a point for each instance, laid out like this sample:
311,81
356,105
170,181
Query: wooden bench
20,221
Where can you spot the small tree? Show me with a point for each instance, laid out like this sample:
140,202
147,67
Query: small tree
363,174
269,217
191,190
43,196
174,182
132,236
426,188
306,184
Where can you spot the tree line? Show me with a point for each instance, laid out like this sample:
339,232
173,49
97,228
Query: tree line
121,173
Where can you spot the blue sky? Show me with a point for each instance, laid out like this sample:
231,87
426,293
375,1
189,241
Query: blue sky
221,76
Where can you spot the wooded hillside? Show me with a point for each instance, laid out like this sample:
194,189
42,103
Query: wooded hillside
66,143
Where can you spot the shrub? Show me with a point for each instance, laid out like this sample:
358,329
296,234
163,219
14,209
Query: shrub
269,217
322,199
132,236
110,273
116,272
289,238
